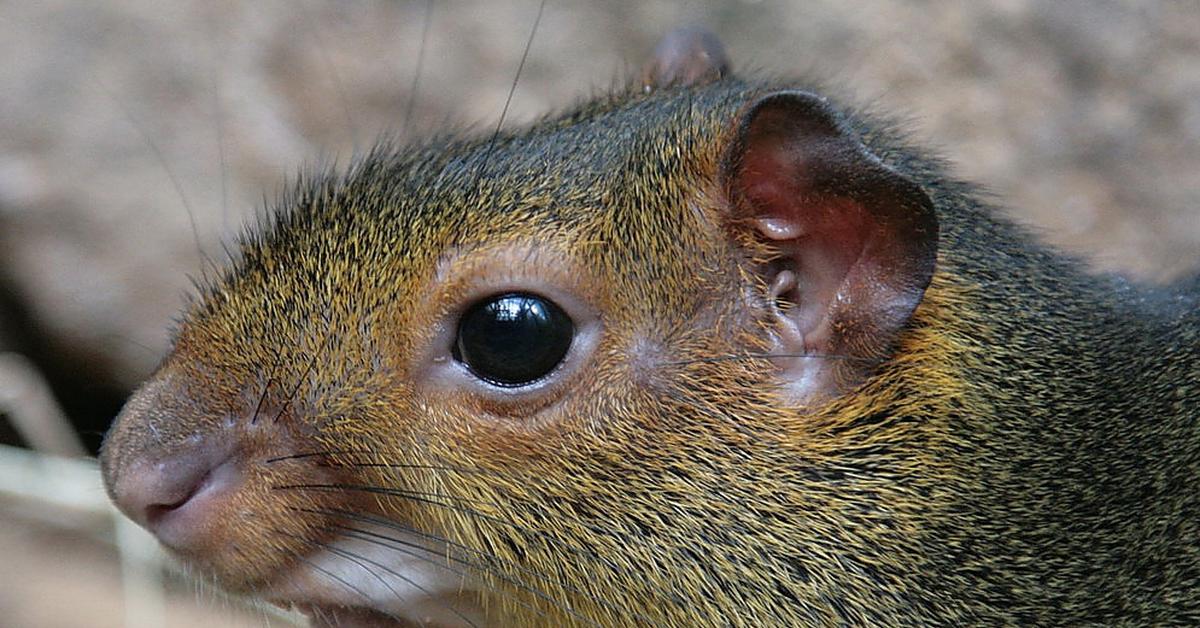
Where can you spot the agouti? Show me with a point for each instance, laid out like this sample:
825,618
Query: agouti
708,351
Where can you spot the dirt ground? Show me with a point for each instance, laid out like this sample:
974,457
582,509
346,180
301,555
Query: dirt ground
137,136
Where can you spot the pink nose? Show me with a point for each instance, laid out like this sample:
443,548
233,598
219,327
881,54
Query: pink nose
179,496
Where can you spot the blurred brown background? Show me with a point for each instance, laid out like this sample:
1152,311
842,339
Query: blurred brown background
126,125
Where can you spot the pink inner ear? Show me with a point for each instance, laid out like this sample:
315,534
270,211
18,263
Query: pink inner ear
770,177
856,240
822,236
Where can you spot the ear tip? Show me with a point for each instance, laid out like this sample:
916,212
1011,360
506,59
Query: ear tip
811,114
796,98
686,55
688,34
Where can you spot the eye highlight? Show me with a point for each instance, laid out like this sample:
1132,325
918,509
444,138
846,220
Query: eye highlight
513,339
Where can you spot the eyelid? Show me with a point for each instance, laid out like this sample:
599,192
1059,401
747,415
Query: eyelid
465,278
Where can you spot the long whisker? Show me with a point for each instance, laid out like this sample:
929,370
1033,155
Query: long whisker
430,498
266,389
390,492
261,399
218,111
412,88
773,356
314,454
424,467
422,496
360,559
303,376
438,559
458,507
487,157
366,598
352,464
161,158
363,561
403,546
390,465
489,558
314,31
295,389
387,523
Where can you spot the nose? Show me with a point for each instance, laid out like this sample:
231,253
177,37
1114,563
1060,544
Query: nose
178,496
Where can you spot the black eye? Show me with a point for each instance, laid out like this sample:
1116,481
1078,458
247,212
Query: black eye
513,339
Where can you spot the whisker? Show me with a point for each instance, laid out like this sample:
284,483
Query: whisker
489,558
303,376
362,561
378,490
314,454
391,543
429,498
335,78
161,158
389,465
412,88
261,399
404,547
351,464
218,117
508,101
773,356
436,558
520,67
129,340
423,496
327,573
266,387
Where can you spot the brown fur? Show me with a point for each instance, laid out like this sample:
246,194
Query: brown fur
664,484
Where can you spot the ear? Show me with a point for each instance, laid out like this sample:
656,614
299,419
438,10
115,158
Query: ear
856,241
685,56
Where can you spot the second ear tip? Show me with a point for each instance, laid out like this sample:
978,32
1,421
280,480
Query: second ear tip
689,36
686,55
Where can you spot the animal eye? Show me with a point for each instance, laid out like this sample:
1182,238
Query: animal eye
513,339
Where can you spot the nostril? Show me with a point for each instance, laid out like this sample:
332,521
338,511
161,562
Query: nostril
155,512
178,497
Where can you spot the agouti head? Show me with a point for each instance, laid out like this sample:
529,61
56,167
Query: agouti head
654,361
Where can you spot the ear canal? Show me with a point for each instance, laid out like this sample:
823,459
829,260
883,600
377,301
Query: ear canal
856,241
685,56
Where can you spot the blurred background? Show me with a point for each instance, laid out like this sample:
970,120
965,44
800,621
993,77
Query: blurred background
136,137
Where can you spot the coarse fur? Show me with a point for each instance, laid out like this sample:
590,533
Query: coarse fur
1027,451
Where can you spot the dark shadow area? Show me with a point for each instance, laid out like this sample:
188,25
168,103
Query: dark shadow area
82,384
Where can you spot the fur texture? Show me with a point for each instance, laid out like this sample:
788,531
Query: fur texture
1027,453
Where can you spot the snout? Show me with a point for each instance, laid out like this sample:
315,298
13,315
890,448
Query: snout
210,469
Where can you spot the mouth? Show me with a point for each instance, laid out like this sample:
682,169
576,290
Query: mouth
367,579
327,617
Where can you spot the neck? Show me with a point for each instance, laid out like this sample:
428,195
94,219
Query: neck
1079,430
